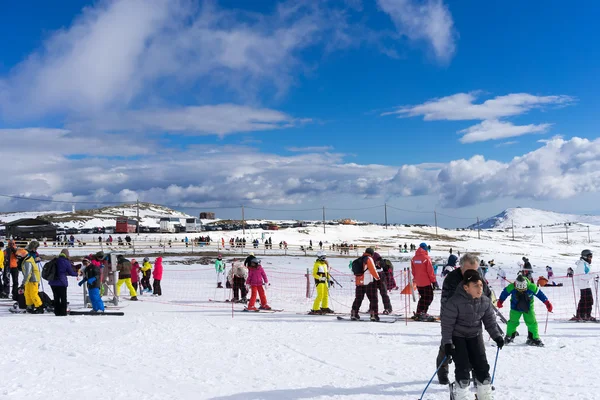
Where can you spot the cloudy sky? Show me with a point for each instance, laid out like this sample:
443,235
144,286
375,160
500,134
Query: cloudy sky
464,107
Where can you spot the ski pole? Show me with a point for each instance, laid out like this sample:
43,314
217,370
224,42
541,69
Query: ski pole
435,373
336,282
495,363
546,327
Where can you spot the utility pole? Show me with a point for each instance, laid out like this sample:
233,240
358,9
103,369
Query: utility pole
386,224
478,229
567,232
324,220
513,228
243,223
435,217
542,232
589,238
138,217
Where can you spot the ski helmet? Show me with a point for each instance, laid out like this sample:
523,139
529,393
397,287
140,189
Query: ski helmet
254,260
321,255
586,253
33,245
146,259
521,283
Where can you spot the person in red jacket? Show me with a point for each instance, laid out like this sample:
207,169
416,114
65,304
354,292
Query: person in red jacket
424,278
158,273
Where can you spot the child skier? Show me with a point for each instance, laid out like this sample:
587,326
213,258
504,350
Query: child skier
158,272
237,278
462,336
91,273
220,269
124,267
322,281
135,274
584,278
256,279
146,273
521,303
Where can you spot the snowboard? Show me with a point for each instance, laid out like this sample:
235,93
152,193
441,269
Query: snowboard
117,313
384,321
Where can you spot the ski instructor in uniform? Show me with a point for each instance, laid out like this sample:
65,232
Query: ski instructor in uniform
454,279
424,278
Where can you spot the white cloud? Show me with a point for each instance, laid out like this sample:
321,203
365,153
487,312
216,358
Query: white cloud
494,130
509,143
461,106
429,21
310,149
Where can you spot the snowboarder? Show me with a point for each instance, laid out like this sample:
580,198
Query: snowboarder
453,280
124,267
424,278
91,273
366,284
322,282
583,278
383,272
521,303
256,279
220,269
237,278
146,273
462,336
157,274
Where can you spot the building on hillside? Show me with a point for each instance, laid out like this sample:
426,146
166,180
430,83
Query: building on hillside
30,228
207,215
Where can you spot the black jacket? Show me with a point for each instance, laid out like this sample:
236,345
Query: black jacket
451,283
92,271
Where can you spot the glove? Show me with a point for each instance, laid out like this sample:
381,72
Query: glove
81,283
548,305
499,304
449,350
499,341
331,283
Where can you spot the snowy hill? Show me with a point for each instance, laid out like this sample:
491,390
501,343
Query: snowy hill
530,217
98,217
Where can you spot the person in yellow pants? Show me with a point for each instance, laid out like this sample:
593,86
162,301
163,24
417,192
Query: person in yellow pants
124,268
321,275
31,277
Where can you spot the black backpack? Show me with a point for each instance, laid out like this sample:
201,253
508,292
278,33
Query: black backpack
49,270
387,265
358,266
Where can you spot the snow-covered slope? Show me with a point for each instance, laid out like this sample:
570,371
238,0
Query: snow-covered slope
530,217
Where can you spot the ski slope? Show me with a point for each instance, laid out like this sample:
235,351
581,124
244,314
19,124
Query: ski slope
182,346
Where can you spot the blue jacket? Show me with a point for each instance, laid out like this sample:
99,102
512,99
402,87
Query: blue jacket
522,301
63,269
452,260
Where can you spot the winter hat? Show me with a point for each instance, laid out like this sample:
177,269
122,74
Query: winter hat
424,246
33,245
376,257
471,275
99,255
65,252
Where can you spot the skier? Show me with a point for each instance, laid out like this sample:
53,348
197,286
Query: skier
322,281
59,284
366,284
135,274
452,259
383,272
256,279
527,269
247,260
584,277
453,280
462,336
501,274
3,277
124,267
146,272
157,273
237,278
549,272
220,269
424,278
391,281
31,277
10,268
521,303
91,273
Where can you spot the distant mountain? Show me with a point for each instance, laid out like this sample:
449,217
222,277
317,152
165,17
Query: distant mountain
522,217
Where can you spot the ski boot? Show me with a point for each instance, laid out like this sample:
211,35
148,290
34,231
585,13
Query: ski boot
387,311
576,319
534,342
461,391
510,339
219,285
315,312
265,307
354,315
134,298
484,390
590,319
374,316
327,311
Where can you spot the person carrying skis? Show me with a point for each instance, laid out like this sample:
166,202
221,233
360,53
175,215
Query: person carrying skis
220,269
157,274
366,284
256,279
583,277
424,278
462,335
322,282
237,279
453,280
146,273
383,272
91,276
521,303
124,267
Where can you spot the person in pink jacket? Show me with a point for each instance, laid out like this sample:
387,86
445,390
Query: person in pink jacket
424,278
157,274
256,279
135,274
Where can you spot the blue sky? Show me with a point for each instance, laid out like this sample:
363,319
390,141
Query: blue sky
466,107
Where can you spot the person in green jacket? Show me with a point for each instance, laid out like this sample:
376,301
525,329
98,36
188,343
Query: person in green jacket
522,292
220,269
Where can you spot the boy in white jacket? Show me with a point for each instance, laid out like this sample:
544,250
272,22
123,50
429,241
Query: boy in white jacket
583,277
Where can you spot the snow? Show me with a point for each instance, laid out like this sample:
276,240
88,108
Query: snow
525,217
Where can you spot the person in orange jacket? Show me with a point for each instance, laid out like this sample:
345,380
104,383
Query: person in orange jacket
424,278
10,268
366,283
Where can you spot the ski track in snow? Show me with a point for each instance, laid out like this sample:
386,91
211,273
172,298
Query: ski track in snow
181,346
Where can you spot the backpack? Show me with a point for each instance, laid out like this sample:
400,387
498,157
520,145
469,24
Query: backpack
387,265
358,266
49,270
